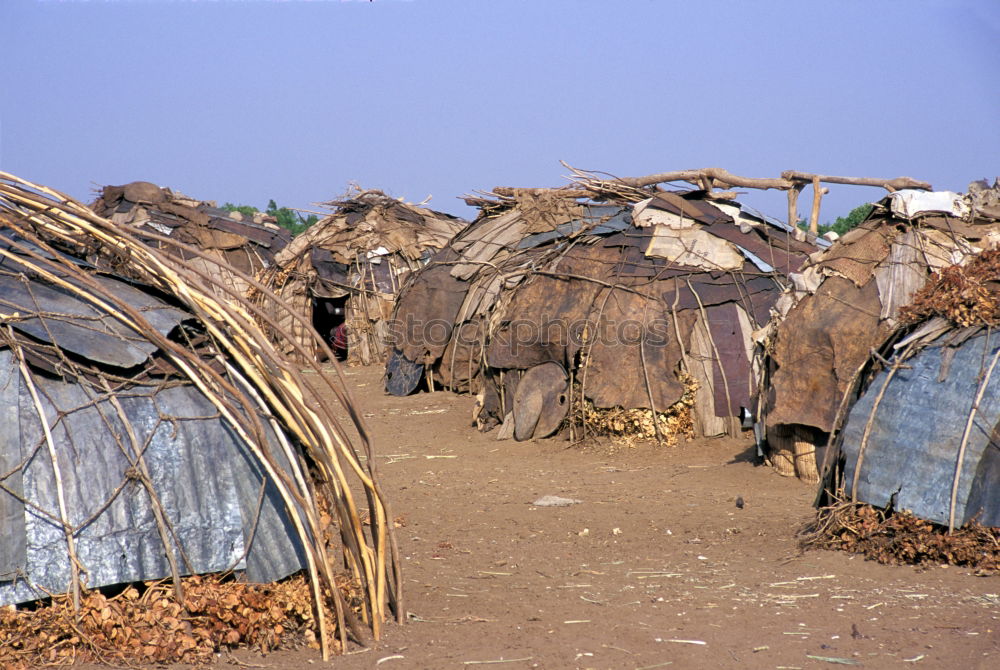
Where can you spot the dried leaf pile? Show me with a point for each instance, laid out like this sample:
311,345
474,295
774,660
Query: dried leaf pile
150,626
966,294
900,537
633,425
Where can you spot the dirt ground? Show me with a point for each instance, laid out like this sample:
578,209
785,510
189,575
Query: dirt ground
656,566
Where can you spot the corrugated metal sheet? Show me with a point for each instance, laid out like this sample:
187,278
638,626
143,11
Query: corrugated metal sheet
206,479
912,452
223,512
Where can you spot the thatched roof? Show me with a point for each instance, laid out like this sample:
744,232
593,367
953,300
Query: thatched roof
923,430
230,240
848,299
630,293
364,249
149,417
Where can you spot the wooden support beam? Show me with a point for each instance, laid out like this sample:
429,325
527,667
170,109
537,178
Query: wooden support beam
818,192
793,206
888,184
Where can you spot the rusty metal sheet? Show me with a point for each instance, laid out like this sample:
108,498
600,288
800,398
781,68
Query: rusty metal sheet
716,292
724,326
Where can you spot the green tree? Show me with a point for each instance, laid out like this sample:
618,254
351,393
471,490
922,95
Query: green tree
843,223
853,218
285,217
245,210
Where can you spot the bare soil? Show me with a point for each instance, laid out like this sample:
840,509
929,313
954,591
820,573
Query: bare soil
655,567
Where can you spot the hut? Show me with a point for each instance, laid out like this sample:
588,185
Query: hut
149,430
923,430
601,307
847,300
342,274
214,240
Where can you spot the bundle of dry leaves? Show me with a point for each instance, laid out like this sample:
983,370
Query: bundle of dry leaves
900,537
148,625
966,295
631,425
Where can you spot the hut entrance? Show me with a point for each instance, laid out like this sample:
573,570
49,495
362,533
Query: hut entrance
328,316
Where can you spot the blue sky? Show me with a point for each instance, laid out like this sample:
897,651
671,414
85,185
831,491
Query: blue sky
247,101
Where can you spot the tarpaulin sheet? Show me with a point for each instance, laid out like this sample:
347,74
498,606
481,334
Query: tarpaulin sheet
912,451
206,479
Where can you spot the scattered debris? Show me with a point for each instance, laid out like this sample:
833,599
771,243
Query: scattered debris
555,501
835,660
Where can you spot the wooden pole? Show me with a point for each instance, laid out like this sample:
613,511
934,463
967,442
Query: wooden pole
818,192
888,184
793,208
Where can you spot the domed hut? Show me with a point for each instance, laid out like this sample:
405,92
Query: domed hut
847,300
923,430
212,239
151,431
343,273
604,307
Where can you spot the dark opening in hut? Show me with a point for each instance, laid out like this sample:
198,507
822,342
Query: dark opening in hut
344,272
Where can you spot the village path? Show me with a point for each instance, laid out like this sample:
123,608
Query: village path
655,568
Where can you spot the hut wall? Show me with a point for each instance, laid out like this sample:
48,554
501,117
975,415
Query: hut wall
211,497
625,307
849,300
929,401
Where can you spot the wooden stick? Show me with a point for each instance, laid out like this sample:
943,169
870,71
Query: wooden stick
871,422
818,192
888,184
965,438
74,561
793,209
645,376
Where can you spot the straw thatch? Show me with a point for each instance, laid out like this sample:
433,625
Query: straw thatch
230,244
348,267
923,430
848,298
600,296
150,363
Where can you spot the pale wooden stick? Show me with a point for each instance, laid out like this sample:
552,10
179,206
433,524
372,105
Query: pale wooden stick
74,561
965,439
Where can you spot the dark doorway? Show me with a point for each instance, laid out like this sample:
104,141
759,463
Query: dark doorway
328,316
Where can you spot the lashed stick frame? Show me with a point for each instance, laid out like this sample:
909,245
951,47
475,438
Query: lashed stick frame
260,382
709,179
